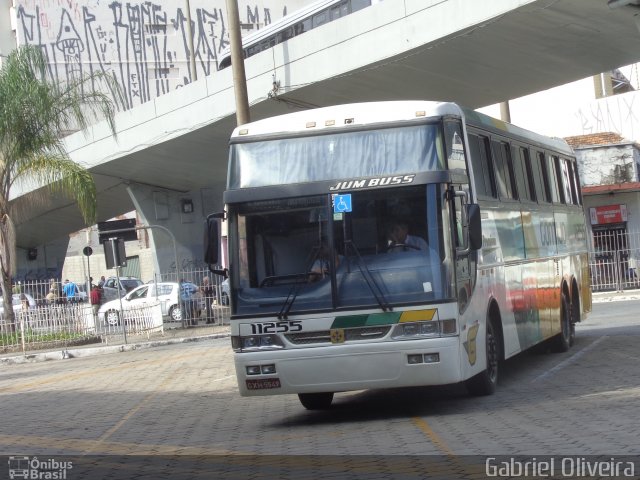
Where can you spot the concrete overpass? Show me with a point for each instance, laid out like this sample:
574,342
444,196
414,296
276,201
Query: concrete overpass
174,148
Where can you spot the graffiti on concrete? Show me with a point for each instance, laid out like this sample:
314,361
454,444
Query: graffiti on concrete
612,114
144,45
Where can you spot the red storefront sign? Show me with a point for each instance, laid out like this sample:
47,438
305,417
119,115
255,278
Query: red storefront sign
608,214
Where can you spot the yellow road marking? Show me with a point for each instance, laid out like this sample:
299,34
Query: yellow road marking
103,447
433,436
400,465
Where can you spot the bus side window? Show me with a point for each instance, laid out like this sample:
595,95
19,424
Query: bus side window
526,157
540,179
554,179
485,183
454,145
567,184
504,177
575,182
520,156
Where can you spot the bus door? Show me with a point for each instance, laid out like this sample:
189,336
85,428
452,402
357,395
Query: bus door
465,240
465,257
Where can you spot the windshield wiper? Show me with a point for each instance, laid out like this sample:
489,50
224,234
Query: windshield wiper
297,286
369,280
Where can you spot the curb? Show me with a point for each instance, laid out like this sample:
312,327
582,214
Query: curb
102,350
620,298
606,297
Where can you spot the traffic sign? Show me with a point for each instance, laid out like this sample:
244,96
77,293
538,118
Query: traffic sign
124,229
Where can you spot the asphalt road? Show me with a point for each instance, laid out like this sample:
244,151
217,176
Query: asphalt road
176,408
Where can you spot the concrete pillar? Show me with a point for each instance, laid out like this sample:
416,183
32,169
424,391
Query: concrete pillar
603,85
183,214
42,262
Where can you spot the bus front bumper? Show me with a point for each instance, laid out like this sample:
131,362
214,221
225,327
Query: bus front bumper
339,368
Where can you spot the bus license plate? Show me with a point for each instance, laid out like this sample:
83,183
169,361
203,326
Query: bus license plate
263,383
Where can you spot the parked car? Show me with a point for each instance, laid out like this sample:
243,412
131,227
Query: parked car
82,292
110,287
167,293
17,303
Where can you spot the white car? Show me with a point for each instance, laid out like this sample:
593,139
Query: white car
164,292
17,303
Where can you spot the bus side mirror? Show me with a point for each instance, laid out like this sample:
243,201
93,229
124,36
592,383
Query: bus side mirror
475,226
212,243
211,240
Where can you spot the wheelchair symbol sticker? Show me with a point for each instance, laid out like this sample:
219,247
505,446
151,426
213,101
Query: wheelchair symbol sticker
342,203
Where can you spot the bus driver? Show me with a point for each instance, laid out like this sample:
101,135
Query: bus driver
400,240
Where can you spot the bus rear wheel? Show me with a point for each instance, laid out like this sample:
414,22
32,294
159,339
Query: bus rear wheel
316,401
486,382
562,341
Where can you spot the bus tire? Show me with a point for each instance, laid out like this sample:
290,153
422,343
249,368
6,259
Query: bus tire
486,382
316,401
575,316
562,341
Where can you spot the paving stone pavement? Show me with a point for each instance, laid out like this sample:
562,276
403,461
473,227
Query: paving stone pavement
177,404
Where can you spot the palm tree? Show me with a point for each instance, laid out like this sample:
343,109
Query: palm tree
34,116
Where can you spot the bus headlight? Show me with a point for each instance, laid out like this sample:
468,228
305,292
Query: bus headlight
254,343
430,329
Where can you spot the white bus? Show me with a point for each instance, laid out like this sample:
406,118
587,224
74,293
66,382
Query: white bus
294,24
397,244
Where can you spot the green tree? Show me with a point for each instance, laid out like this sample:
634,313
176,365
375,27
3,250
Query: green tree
35,114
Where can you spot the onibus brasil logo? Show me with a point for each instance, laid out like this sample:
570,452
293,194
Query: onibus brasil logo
37,469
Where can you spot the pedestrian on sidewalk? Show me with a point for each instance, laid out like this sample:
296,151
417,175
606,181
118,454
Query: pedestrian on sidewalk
70,291
96,298
207,292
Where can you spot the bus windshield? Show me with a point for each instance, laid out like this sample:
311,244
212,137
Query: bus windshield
353,154
298,255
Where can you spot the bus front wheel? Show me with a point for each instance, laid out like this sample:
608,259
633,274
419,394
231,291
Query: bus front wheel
316,401
485,382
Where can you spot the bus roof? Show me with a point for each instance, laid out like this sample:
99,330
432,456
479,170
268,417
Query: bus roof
499,126
353,114
371,113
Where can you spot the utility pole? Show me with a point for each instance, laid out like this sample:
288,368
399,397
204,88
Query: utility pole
237,63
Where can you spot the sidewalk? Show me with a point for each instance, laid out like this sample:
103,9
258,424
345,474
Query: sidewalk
170,336
604,297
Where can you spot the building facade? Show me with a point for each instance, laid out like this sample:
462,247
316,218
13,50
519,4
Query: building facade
610,178
147,46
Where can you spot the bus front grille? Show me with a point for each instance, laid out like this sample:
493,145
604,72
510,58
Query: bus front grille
350,334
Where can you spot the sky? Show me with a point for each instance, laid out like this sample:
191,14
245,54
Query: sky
572,109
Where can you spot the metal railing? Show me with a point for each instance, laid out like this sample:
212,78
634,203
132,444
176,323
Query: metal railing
613,262
611,271
43,322
56,323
